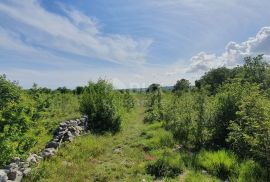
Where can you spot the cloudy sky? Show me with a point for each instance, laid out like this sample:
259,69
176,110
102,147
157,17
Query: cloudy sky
132,43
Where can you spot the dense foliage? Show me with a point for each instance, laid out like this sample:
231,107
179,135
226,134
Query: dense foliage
17,113
104,106
221,126
228,109
29,117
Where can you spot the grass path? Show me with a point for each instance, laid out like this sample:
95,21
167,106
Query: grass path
99,158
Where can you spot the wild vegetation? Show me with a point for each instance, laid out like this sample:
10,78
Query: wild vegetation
218,129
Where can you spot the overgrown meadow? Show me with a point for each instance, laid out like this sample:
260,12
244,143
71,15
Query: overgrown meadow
218,129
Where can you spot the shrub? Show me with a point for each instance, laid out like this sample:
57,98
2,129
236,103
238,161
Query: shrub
100,103
128,101
251,171
167,164
221,163
16,121
154,109
152,115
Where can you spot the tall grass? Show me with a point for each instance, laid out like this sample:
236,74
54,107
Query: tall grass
222,164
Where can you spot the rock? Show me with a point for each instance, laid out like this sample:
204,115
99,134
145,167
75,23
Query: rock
79,128
32,159
48,152
3,175
204,171
68,136
63,124
15,175
23,165
117,150
26,171
11,166
16,160
53,144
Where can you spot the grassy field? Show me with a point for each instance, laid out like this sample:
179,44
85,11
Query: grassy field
99,158
120,157
63,107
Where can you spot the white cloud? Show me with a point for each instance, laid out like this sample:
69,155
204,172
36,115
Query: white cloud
234,53
74,33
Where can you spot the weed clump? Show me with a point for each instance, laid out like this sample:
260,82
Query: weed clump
220,163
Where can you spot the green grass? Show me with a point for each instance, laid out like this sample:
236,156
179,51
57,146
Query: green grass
64,107
99,158
125,156
222,164
195,176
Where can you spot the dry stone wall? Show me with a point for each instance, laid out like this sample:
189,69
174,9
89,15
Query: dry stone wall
66,132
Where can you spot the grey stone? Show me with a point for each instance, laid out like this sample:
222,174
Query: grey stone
16,160
65,132
15,175
53,144
48,152
26,171
11,166
68,136
32,159
3,175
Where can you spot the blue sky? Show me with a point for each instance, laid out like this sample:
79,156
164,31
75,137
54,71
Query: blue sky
132,43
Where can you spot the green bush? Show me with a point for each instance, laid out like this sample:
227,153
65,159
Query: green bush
251,171
152,115
154,109
101,104
128,101
167,164
221,163
16,121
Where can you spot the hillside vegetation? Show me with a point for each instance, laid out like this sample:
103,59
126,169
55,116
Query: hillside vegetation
218,129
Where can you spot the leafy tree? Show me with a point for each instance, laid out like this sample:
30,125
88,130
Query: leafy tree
100,103
250,131
79,90
63,90
181,85
9,91
154,88
224,107
255,69
213,79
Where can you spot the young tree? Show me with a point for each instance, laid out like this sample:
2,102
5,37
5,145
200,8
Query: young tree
100,103
154,109
250,131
